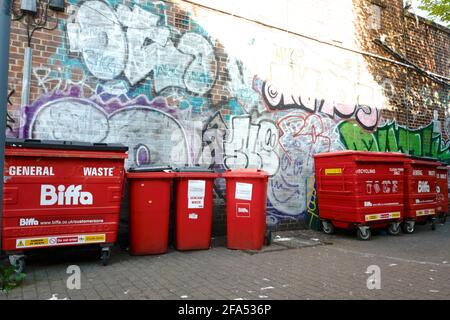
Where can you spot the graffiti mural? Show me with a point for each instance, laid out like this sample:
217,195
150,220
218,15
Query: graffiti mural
148,128
108,51
127,72
423,142
251,145
301,136
276,99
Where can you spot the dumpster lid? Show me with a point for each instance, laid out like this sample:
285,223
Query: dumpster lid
150,169
424,160
194,169
62,144
358,153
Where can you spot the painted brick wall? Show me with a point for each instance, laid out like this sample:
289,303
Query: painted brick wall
231,84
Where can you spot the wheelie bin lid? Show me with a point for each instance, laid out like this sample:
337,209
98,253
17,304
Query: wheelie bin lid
195,172
150,172
245,173
150,169
65,145
193,169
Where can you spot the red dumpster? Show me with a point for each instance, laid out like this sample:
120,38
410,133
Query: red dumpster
420,193
362,190
149,203
193,208
246,197
442,191
60,193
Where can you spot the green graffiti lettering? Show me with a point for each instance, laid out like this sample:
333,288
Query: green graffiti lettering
390,137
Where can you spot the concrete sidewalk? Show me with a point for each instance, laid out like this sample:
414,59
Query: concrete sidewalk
299,265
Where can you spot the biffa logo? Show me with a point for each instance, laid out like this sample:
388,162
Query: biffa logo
243,210
23,222
70,196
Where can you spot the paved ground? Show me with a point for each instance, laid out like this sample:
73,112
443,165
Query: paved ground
300,265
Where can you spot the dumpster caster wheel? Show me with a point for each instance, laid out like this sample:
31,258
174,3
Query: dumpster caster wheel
364,233
268,238
106,253
18,262
327,227
408,227
394,229
433,225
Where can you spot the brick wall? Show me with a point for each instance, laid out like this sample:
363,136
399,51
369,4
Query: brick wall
231,84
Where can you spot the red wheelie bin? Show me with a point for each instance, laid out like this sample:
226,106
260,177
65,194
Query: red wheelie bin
420,193
360,190
149,203
442,191
59,194
193,208
246,197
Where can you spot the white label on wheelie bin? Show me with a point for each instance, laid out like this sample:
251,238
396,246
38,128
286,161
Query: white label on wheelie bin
60,240
243,191
196,194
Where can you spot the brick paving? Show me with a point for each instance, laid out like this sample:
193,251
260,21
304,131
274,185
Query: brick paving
313,266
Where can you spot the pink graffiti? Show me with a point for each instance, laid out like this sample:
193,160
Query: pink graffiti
275,99
299,132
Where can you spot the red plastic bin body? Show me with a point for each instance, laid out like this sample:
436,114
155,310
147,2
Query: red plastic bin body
360,188
193,210
246,197
420,189
60,197
149,203
442,189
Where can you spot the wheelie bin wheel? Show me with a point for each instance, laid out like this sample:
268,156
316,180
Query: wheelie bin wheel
408,227
268,238
327,227
364,233
394,229
18,262
105,255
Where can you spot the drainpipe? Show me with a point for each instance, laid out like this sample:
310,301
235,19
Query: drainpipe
26,77
5,26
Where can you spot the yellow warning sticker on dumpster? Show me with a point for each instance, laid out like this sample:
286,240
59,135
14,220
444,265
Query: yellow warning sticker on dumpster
332,171
26,243
95,238
60,240
383,216
425,212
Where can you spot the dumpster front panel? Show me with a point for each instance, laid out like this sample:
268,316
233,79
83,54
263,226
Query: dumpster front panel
193,210
442,189
420,193
149,203
360,188
56,201
246,199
